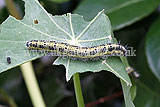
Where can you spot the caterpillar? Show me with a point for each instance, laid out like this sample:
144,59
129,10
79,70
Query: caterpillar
132,72
78,52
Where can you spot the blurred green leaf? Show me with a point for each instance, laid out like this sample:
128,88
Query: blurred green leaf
3,14
148,86
12,83
53,89
9,81
153,48
70,28
133,90
121,12
6,98
96,86
146,97
59,1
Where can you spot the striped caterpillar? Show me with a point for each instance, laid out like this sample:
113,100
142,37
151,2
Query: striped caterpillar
132,72
77,52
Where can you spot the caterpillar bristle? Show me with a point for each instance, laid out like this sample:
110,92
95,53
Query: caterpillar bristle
126,46
119,42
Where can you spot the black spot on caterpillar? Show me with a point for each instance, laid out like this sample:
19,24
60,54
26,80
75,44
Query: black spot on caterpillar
8,60
78,52
132,72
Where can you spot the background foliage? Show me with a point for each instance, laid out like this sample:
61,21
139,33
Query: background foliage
135,22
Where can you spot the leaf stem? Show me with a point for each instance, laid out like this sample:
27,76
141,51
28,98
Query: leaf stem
12,9
77,86
32,85
27,69
104,99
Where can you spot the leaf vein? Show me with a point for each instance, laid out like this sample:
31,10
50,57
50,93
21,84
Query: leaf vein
54,21
114,72
39,31
87,27
106,37
70,21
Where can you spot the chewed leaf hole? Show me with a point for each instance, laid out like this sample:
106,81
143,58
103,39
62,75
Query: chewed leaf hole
36,21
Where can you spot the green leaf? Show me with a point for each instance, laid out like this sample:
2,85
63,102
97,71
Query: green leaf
70,28
127,94
146,97
153,48
145,72
148,86
121,12
133,90
112,64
